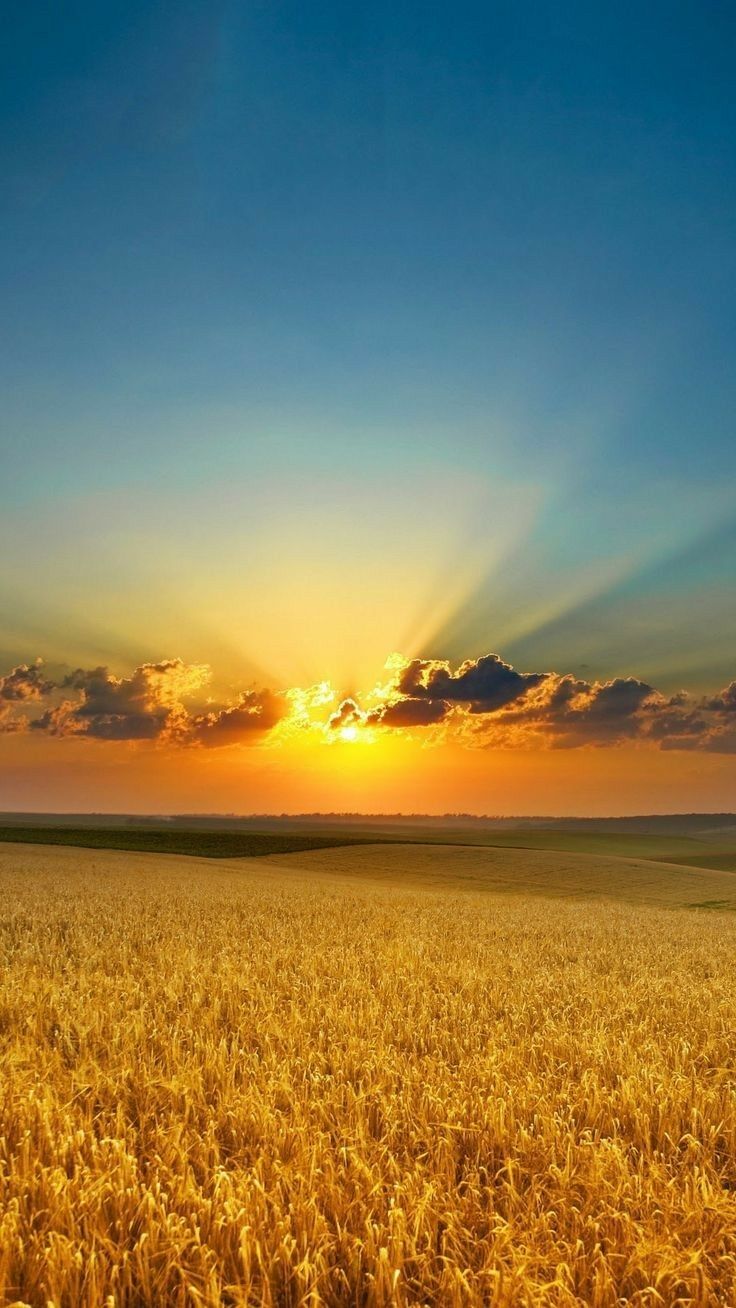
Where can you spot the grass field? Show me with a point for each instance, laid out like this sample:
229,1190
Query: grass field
201,844
365,1076
551,873
717,851
692,851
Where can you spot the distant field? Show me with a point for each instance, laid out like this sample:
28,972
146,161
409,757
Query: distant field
691,851
551,873
203,844
366,1076
694,851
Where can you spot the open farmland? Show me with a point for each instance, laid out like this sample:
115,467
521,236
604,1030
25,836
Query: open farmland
518,871
714,849
371,1075
167,840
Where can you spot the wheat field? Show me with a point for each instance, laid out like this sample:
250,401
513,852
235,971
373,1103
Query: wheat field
283,1082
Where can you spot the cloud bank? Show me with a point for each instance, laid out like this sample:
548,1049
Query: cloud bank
482,703
157,702
487,703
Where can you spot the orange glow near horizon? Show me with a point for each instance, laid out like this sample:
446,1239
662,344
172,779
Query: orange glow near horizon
399,774
544,744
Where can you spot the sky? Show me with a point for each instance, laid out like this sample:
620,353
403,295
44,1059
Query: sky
367,401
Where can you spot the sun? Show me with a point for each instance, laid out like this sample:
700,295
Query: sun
348,733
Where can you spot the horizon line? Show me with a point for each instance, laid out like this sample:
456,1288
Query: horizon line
348,814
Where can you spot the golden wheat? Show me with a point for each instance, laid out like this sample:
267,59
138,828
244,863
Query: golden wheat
255,1088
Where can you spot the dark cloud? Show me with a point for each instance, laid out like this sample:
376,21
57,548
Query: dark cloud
409,713
484,685
23,683
617,700
59,721
10,725
23,686
147,705
570,712
603,712
69,719
724,702
255,711
565,711
495,705
346,715
670,724
151,704
483,702
720,742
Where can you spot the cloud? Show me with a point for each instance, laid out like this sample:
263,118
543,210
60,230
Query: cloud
147,705
59,721
23,683
484,684
488,703
575,712
409,713
255,711
153,703
724,701
710,742
719,742
347,714
10,725
482,703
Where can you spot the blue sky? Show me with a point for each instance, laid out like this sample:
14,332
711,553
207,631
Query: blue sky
295,254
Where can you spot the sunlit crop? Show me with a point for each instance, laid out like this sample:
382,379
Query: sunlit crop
251,1088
